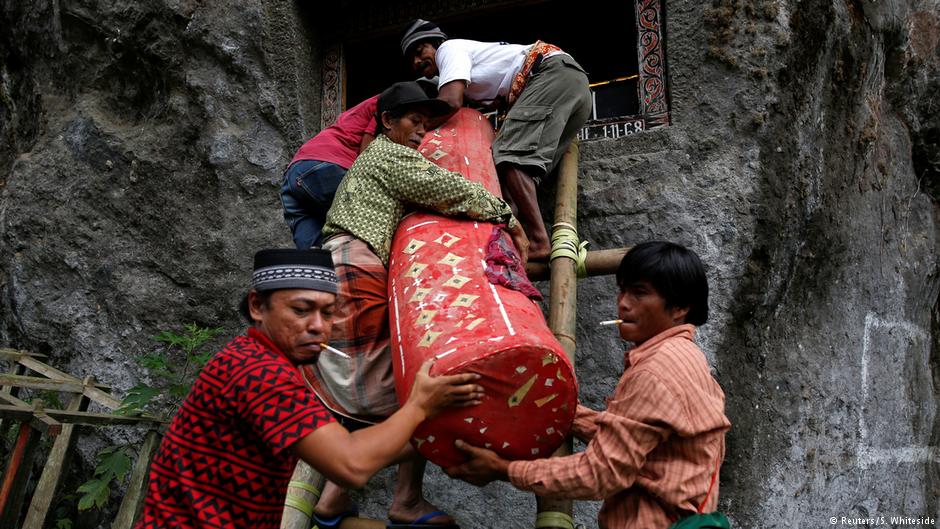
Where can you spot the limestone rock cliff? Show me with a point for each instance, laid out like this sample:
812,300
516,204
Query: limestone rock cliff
142,143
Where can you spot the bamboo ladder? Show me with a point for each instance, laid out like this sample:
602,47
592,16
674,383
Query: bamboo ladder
35,419
306,483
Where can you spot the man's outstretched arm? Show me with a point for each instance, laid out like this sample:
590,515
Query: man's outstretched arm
350,459
452,94
610,463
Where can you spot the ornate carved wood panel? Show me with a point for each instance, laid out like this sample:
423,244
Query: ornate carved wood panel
332,69
652,63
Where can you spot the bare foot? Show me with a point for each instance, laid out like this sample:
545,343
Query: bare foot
334,501
401,513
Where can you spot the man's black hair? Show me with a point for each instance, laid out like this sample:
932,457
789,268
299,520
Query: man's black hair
264,296
674,271
395,114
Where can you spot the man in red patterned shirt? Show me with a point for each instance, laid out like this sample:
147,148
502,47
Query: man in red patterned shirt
229,453
654,454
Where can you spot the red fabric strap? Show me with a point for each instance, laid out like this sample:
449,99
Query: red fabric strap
710,486
519,81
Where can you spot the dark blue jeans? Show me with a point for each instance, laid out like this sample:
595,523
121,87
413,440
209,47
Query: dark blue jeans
307,193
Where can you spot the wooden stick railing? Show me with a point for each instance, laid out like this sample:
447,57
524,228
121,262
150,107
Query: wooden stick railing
35,420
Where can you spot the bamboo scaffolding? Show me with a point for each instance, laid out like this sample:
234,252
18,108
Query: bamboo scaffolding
16,474
51,479
597,263
301,500
563,299
35,420
299,518
133,502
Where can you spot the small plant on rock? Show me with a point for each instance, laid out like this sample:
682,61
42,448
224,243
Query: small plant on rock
172,368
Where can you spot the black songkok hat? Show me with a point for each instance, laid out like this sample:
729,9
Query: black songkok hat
289,268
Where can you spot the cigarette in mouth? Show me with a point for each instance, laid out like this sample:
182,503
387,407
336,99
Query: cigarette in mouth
611,322
334,350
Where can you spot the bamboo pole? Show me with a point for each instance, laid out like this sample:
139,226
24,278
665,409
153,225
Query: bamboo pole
563,300
52,472
8,393
296,516
95,393
73,417
597,263
16,474
133,501
23,381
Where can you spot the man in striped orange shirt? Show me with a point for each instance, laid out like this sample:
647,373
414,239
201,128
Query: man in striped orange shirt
654,454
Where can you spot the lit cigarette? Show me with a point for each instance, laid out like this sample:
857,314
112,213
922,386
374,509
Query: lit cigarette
335,350
611,322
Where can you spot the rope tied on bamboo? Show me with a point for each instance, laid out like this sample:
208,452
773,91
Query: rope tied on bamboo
299,503
554,519
565,243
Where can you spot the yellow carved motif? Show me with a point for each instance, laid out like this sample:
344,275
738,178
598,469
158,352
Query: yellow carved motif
545,400
413,246
450,259
428,338
416,270
425,317
419,294
447,239
457,281
464,300
516,398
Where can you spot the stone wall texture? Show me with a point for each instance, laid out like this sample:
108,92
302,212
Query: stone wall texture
142,143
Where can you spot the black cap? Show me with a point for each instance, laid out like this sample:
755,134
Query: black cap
410,94
284,268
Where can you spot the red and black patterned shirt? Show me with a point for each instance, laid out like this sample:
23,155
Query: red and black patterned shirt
225,461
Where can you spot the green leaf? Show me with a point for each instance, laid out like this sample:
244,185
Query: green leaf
179,390
203,358
153,361
63,523
95,492
107,450
113,465
136,400
170,338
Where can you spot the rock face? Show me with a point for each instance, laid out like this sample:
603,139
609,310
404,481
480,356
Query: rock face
141,147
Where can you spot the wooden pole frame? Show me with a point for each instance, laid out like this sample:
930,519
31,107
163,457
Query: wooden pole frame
35,420
51,479
133,501
597,263
16,474
563,296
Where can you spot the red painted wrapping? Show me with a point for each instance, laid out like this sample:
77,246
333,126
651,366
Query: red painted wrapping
443,306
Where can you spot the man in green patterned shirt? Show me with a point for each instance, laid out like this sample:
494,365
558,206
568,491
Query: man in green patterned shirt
374,194
388,177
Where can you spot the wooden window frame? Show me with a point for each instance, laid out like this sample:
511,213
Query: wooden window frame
652,85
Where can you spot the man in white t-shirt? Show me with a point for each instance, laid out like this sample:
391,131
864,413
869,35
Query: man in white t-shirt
544,89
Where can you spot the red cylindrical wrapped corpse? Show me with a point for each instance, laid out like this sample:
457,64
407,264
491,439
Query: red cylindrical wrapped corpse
442,305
